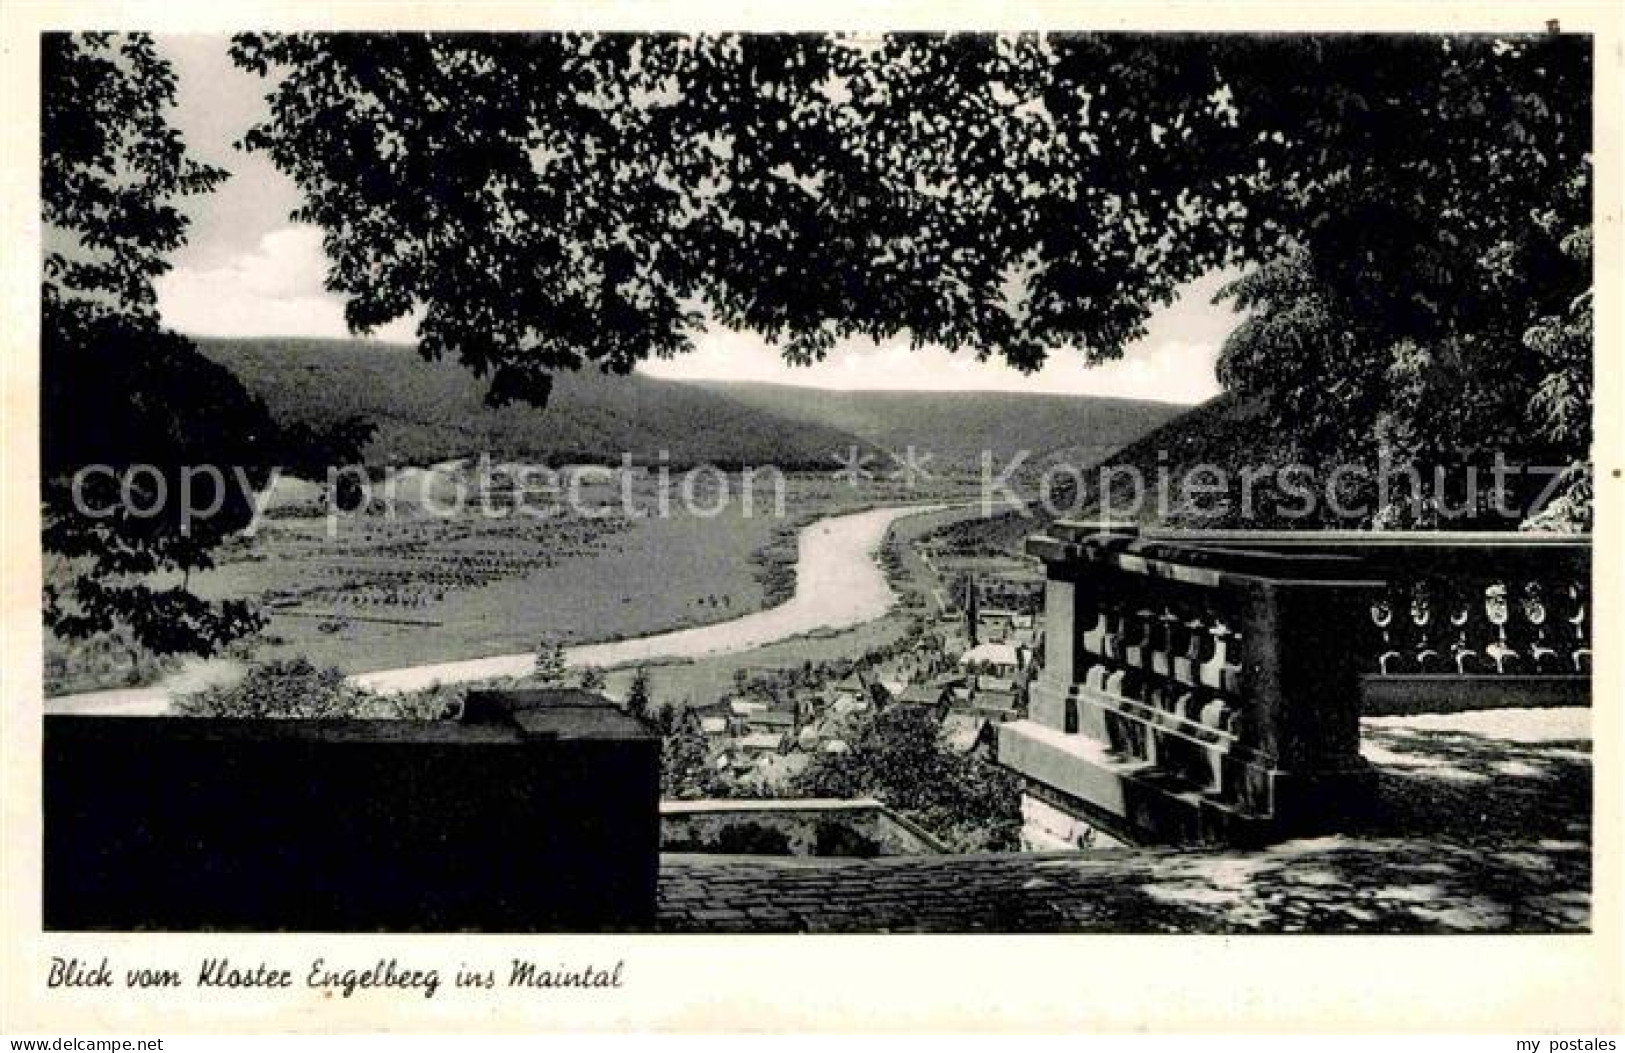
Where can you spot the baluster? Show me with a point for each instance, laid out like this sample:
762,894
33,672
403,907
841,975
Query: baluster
1542,657
1094,639
1085,670
1137,638
1139,741
1095,676
1222,672
1382,616
1216,714
1151,744
1230,669
1218,672
1425,656
1468,662
1238,723
1581,659
1127,736
1119,682
1498,612
1188,663
1112,644
1215,763
1165,643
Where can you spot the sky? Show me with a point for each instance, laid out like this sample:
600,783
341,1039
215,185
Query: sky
248,270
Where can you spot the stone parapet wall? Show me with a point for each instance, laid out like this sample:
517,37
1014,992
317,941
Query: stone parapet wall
1201,687
823,828
523,819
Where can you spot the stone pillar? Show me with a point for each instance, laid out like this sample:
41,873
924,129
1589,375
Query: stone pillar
1253,737
1303,694
1051,699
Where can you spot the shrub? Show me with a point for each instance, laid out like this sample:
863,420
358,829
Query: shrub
291,688
898,756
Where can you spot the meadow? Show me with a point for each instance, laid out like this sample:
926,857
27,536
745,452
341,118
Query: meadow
394,586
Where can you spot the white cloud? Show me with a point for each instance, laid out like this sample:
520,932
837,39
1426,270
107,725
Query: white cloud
1173,363
273,290
246,272
1167,370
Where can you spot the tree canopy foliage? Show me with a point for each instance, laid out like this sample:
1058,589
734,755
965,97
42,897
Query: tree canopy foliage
1405,319
554,201
119,391
898,755
295,688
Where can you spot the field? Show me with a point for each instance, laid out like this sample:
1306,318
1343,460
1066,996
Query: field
395,586
390,593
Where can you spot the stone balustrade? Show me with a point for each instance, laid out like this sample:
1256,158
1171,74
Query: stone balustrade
1464,620
1208,686
1479,625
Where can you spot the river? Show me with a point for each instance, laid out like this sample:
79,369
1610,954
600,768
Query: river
839,584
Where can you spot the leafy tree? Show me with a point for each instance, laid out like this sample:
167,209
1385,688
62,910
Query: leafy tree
637,698
686,772
898,756
297,688
1492,358
592,678
435,702
551,667
283,687
120,395
1560,409
556,201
